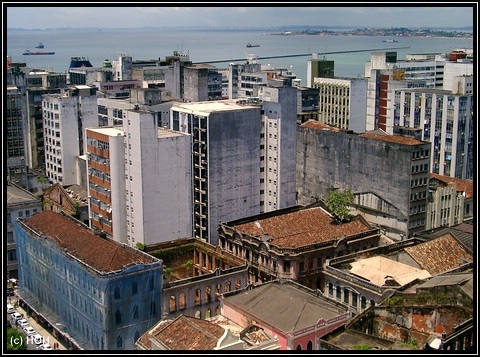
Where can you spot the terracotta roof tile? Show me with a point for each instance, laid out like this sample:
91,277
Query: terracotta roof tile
462,185
398,139
189,333
101,254
315,124
439,255
302,228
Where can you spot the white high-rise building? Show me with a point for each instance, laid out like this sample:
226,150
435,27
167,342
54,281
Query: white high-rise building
157,177
65,115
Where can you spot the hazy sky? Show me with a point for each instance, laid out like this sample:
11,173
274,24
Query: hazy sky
52,16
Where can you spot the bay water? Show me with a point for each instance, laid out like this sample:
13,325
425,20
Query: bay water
213,45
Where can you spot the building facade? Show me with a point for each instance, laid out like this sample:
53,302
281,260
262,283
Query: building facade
389,174
342,102
103,293
65,117
446,121
20,204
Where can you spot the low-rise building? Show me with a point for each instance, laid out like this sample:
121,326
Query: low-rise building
294,243
103,294
72,200
295,315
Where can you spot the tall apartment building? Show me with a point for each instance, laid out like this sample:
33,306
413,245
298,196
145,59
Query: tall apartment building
389,174
158,177
202,82
445,119
65,116
32,84
20,204
106,185
103,294
243,156
342,102
16,134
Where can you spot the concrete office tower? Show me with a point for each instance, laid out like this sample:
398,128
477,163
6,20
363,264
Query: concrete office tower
317,67
279,107
389,174
65,116
16,135
445,119
122,68
226,177
202,82
106,184
343,102
158,179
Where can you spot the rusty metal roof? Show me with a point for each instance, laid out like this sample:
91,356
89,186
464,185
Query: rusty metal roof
461,185
398,139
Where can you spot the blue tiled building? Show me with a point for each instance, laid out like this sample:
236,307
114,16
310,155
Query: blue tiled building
104,294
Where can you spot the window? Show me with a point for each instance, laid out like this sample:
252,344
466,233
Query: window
116,293
119,342
135,312
134,288
339,292
118,317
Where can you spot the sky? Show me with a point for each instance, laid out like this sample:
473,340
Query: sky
44,15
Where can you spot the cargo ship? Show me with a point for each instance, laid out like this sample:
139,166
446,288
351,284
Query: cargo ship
40,45
37,53
252,45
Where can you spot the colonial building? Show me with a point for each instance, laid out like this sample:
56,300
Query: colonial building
297,316
294,243
72,200
105,294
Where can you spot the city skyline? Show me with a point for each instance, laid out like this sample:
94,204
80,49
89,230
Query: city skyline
45,16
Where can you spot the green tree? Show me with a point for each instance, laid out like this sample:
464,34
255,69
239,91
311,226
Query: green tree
140,246
16,341
339,202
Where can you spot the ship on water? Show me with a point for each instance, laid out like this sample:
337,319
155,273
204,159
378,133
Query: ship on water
40,45
37,53
252,45
390,40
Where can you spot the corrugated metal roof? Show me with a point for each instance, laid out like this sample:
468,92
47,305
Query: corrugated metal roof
284,306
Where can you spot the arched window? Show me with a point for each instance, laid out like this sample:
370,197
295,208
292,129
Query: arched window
238,284
372,302
198,315
309,345
218,290
228,286
135,312
208,314
208,295
330,289
299,347
181,301
172,307
339,292
198,297
134,288
118,317
218,310
363,301
116,292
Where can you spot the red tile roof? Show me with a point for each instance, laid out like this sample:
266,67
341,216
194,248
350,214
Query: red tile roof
439,255
185,333
302,228
462,185
99,253
315,124
399,139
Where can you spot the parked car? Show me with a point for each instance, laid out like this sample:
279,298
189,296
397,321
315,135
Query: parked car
38,339
10,309
17,316
23,323
29,330
45,346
